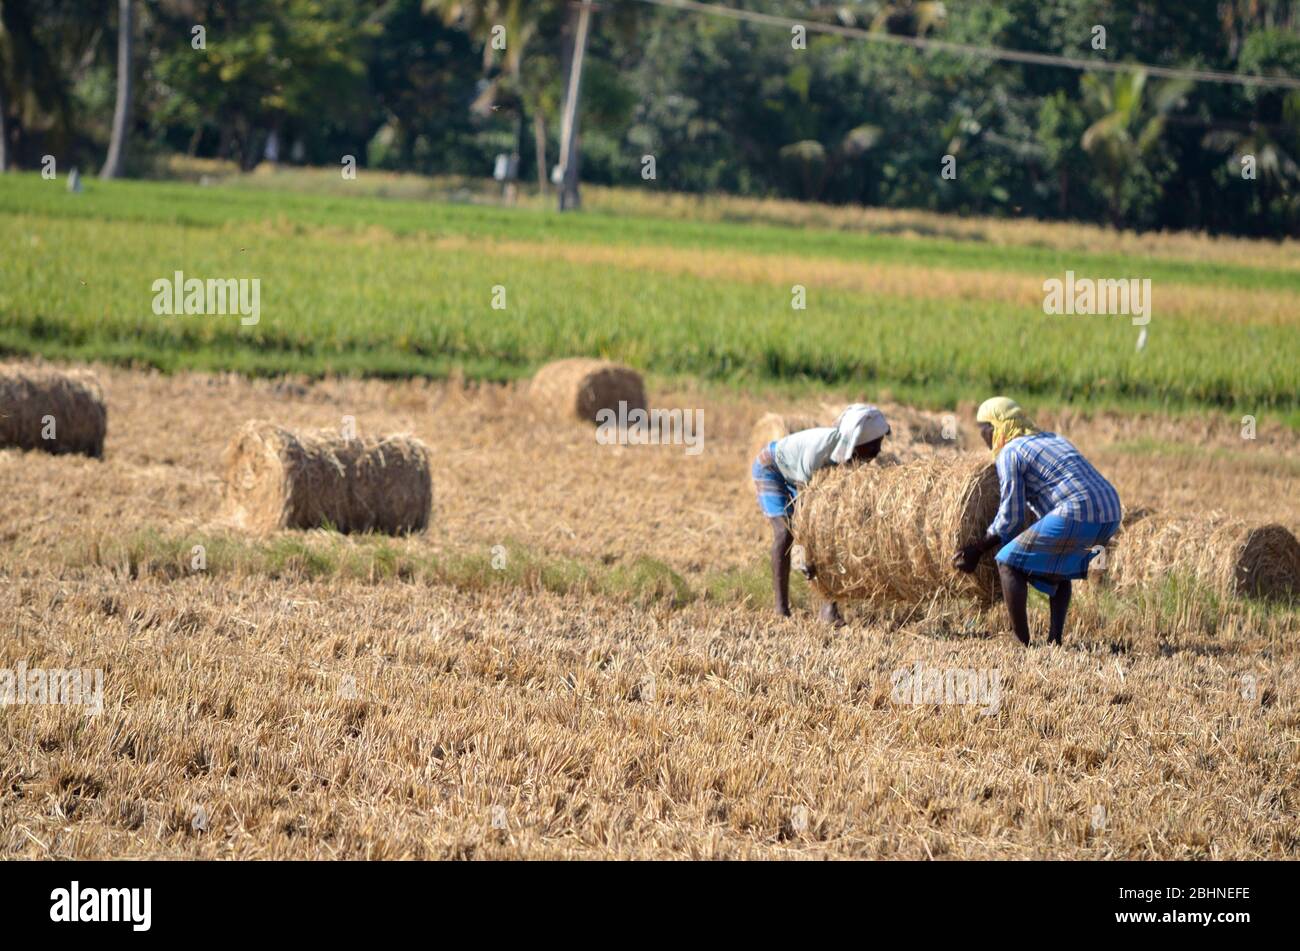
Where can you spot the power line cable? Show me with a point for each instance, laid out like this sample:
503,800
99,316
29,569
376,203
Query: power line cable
987,52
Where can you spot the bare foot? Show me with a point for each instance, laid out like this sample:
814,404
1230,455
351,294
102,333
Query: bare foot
830,613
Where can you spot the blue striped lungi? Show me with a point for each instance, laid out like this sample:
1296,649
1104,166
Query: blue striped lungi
1056,548
775,494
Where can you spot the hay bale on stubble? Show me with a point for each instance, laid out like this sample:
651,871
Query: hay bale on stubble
276,479
33,397
581,387
889,533
1229,556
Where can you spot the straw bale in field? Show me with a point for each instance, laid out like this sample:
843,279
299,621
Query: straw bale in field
581,387
277,479
889,533
1232,557
66,405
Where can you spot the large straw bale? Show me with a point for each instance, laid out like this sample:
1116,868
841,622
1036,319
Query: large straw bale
889,533
1230,556
277,479
36,401
581,387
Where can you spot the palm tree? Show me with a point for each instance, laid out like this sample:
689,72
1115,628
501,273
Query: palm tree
1128,124
1274,147
520,19
116,160
813,164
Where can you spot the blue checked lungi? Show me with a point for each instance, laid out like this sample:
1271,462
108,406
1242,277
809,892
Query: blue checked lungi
775,494
1054,548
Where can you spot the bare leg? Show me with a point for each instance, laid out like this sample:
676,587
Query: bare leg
1015,591
1060,607
782,541
831,614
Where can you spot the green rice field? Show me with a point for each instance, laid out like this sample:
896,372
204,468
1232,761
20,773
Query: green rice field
389,287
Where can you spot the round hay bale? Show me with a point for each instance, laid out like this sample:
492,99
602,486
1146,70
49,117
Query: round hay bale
582,387
276,479
1229,556
889,533
772,426
66,405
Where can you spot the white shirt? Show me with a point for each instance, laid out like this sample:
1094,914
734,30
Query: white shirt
801,454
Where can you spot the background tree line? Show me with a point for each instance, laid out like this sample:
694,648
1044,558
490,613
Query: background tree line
417,85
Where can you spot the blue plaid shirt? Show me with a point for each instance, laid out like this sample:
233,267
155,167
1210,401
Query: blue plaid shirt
1046,472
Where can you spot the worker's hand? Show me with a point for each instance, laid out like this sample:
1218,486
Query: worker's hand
967,558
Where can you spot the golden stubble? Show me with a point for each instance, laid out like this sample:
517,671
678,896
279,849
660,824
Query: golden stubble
376,719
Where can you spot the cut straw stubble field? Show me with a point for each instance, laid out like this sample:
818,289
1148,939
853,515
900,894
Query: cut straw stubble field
364,721
602,727
773,426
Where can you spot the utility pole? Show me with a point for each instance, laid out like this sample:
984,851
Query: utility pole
569,197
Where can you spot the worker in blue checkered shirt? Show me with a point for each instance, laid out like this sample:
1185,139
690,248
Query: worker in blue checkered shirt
1077,512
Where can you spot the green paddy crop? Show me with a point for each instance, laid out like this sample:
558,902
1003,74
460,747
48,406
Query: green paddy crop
393,288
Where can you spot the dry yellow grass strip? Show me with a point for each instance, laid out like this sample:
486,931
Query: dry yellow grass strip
905,224
1240,306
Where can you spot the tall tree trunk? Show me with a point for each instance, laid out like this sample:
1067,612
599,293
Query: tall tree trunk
116,161
539,144
4,132
223,140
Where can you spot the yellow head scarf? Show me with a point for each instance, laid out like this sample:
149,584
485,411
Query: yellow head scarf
1007,419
